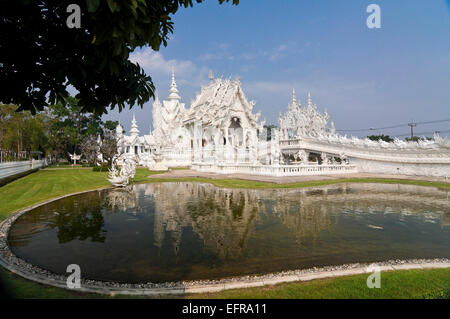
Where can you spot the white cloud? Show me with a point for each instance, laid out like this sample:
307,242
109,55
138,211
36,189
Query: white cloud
189,75
155,63
278,52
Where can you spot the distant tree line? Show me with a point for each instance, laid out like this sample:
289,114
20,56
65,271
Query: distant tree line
389,139
56,131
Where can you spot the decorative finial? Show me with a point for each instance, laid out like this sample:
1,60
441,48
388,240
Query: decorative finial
294,99
173,88
211,76
134,127
309,99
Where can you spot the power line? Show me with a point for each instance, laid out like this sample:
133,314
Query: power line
430,122
395,126
422,133
412,125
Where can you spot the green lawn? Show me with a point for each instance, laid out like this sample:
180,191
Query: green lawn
240,183
51,183
432,283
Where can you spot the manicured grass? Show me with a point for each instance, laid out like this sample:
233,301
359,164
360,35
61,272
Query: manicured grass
17,287
432,283
240,183
64,166
405,284
50,183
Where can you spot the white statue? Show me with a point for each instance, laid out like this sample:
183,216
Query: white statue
120,175
159,165
74,157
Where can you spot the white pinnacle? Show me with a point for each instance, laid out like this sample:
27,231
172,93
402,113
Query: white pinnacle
211,76
173,88
134,127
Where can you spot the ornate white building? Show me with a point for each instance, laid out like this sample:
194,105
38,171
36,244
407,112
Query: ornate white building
220,133
298,121
135,146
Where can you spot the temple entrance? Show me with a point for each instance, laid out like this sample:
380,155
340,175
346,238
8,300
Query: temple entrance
235,123
235,132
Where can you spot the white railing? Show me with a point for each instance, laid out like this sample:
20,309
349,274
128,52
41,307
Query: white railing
409,155
13,168
273,170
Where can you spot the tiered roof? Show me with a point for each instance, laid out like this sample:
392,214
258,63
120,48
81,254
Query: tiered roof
216,101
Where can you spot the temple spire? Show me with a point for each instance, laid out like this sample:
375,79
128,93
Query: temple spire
134,127
294,99
310,104
211,77
173,88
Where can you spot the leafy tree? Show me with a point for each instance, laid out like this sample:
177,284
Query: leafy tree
89,148
382,137
111,125
108,147
41,55
21,132
69,125
417,138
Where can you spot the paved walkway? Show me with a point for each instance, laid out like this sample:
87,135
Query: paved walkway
291,179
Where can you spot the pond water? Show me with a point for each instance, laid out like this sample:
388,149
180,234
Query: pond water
183,231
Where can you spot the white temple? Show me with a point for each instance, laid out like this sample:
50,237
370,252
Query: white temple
298,121
220,133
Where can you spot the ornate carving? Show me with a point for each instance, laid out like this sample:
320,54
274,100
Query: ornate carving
122,170
307,121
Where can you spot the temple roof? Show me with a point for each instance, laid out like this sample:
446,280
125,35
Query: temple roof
218,100
138,140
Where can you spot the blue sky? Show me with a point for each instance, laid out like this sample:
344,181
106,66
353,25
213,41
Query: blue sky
363,77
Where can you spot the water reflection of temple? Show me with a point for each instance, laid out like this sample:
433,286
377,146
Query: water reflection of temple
225,218
222,218
123,199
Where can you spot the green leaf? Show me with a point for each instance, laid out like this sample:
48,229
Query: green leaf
92,5
112,5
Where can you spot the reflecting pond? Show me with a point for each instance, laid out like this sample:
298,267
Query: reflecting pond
182,231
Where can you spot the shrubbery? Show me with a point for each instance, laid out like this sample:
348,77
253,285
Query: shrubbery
103,168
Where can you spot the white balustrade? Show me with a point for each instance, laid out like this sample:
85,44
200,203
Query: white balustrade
272,170
13,168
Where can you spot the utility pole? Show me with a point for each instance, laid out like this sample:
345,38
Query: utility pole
412,125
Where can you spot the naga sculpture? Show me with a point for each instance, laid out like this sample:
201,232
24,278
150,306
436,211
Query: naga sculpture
120,176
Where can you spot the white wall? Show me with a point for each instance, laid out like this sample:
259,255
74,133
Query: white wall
13,168
423,169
